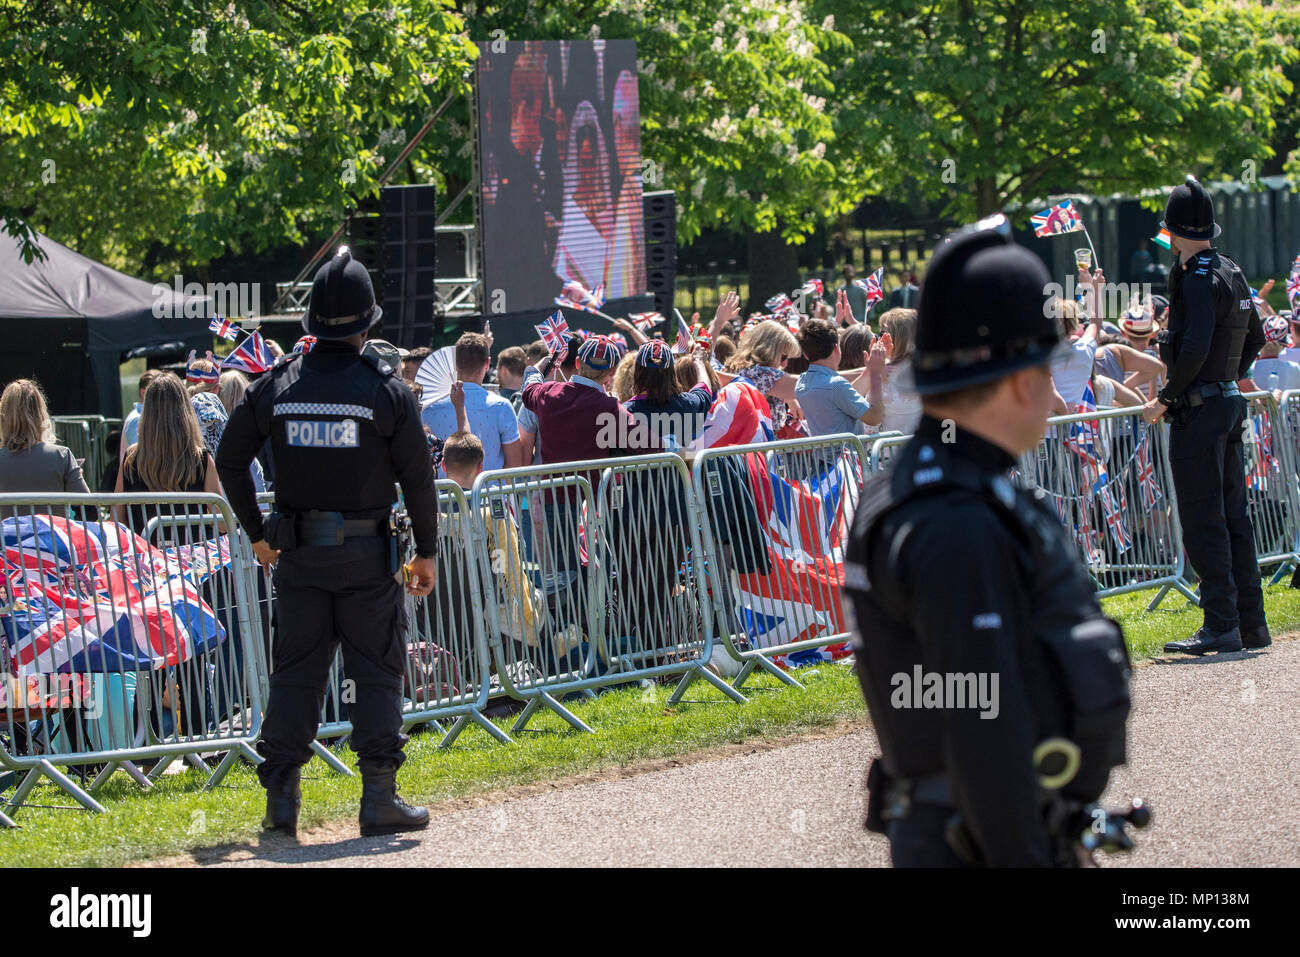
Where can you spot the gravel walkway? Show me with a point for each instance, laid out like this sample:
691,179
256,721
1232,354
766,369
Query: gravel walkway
1214,744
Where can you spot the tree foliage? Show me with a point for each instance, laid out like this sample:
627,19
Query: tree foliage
166,131
1017,99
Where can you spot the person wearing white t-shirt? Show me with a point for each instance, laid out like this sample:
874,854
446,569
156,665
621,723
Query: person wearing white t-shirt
1072,371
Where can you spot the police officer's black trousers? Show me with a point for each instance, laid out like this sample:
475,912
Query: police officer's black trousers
326,595
1205,456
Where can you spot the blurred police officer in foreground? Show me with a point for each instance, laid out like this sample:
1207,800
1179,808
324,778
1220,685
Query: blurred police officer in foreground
343,428
998,689
1212,336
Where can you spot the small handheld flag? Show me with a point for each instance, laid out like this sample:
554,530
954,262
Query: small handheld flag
813,287
1161,239
575,295
778,303
252,356
555,333
1061,218
305,344
871,286
224,328
644,320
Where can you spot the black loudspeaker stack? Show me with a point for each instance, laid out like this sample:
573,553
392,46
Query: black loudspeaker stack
409,259
660,215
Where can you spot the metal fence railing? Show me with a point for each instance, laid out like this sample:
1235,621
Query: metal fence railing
1272,494
127,636
607,555
774,519
1107,475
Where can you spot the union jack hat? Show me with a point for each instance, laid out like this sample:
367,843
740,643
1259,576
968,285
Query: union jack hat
599,353
655,354
1277,329
305,344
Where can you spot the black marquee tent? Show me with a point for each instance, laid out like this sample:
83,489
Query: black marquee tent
69,322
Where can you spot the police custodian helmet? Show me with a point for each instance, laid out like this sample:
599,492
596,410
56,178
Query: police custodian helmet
342,299
1189,213
982,312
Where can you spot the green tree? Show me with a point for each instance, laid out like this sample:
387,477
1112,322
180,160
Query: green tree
165,132
1002,101
737,111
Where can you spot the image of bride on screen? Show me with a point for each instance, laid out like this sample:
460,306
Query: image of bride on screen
587,225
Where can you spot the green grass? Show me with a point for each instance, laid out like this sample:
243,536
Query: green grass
631,726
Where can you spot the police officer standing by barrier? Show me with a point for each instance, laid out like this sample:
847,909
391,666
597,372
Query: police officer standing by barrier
343,428
997,687
1212,337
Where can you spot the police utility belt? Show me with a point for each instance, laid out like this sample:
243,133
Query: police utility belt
289,530
1196,395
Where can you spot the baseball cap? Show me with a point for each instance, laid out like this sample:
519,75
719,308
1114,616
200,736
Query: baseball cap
599,353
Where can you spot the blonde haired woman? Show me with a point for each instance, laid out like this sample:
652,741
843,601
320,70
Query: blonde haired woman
760,360
231,388
170,456
30,461
902,403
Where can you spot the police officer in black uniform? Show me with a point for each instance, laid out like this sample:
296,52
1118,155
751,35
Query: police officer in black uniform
997,688
1213,335
344,428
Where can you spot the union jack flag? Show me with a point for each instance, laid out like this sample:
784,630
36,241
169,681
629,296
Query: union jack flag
555,333
575,295
1061,218
871,286
644,320
93,596
1146,474
305,344
779,303
1084,440
1115,521
1264,461
252,356
1293,288
223,328
812,287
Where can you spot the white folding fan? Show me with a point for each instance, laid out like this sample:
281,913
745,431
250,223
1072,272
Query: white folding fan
436,374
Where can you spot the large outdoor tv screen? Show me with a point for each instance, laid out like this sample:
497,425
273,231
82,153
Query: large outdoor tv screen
559,139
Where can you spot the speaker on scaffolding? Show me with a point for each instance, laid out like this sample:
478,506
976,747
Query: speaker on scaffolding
660,215
409,260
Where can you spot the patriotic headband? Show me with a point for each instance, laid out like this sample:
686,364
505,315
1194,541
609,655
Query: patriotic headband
655,354
197,374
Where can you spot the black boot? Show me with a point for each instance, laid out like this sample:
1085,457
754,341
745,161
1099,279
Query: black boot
1256,637
283,799
1206,641
382,810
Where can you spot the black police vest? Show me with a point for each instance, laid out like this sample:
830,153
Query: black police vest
328,453
1232,312
1076,666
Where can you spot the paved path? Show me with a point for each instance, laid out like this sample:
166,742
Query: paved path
1214,746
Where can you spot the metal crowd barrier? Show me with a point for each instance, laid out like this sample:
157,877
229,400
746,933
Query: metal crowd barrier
447,675
607,555
883,446
126,635
774,519
1107,475
1272,495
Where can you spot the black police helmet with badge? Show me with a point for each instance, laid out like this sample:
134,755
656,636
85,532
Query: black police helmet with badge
982,312
1189,214
342,299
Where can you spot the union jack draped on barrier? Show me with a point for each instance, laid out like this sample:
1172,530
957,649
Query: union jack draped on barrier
805,525
95,597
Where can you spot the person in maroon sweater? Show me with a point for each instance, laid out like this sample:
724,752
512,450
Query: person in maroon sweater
577,420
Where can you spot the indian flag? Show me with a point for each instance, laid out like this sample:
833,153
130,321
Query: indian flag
1161,238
